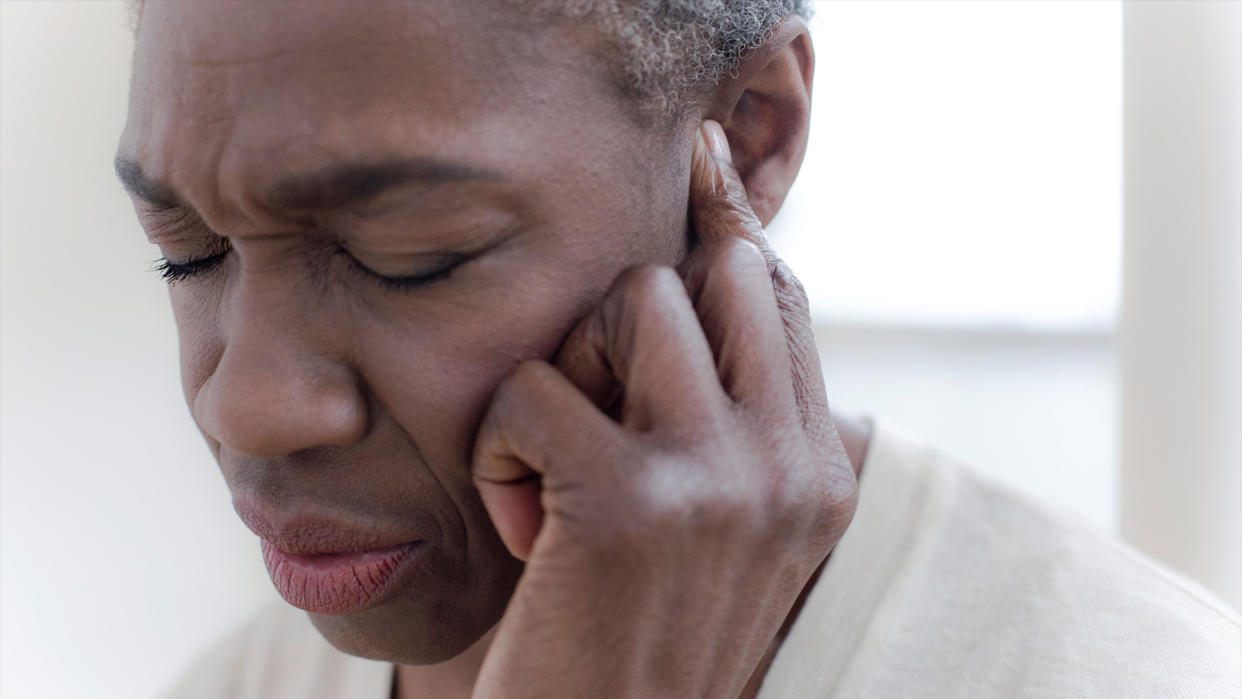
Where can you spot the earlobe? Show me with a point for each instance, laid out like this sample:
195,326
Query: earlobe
765,109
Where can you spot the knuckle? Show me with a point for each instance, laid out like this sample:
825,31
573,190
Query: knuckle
733,252
731,265
529,375
789,289
791,507
667,503
524,379
661,496
708,504
645,279
810,493
785,278
647,286
789,497
702,514
633,277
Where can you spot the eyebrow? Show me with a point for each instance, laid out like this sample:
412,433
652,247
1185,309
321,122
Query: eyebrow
333,187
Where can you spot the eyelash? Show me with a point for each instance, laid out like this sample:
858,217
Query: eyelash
173,272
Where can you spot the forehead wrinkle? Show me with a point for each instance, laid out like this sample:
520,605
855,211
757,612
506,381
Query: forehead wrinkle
224,138
341,184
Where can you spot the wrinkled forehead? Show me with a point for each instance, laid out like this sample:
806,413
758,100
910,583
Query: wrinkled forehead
285,82
232,52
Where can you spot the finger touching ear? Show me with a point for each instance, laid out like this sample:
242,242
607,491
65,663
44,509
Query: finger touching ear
765,109
719,203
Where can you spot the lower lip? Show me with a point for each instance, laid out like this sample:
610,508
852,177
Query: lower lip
335,583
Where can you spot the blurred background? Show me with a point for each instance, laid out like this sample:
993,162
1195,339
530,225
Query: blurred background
1019,223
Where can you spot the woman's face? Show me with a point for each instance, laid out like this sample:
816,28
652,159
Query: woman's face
490,169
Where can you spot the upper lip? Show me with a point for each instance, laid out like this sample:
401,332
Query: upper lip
310,534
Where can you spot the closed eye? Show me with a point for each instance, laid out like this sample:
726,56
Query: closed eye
442,270
173,272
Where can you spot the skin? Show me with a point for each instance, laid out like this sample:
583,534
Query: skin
321,389
718,483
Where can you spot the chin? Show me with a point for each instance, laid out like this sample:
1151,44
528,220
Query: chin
419,626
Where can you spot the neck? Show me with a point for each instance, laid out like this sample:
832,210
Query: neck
454,678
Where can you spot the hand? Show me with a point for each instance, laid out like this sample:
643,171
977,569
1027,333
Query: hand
674,480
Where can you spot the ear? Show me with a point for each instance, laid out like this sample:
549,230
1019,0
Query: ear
765,109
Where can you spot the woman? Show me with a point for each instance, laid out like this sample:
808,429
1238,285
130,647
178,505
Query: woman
478,318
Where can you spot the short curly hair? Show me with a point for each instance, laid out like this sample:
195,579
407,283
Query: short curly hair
671,51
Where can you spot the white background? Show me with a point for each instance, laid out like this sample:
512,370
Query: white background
957,223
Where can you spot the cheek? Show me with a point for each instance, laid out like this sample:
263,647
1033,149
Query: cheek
200,343
436,375
435,372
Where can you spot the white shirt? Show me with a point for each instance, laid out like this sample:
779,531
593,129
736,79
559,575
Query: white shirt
945,585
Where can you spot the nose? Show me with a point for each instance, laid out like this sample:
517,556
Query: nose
267,398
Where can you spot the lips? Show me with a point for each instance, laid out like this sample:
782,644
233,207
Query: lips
334,583
324,565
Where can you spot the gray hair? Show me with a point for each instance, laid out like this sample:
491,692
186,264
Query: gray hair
672,51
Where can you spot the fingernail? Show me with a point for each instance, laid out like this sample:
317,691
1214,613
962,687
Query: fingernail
700,141
716,141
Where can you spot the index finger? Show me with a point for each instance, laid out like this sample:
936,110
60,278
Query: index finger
719,208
